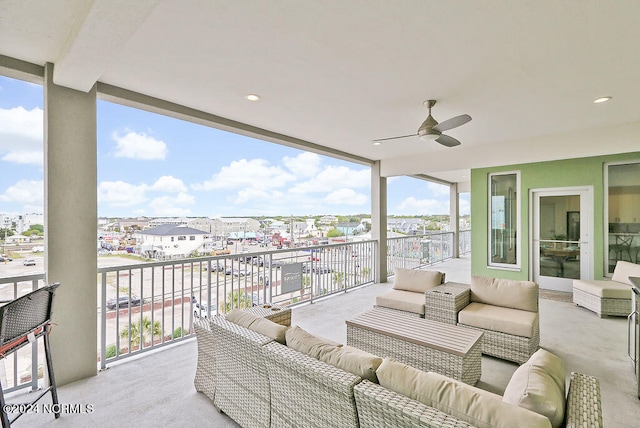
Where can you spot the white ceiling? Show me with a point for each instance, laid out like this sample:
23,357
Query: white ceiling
342,73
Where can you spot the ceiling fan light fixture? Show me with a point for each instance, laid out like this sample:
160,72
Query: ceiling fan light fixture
428,134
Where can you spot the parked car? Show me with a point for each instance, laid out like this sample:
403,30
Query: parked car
5,257
122,302
215,267
29,262
322,269
201,310
256,299
238,272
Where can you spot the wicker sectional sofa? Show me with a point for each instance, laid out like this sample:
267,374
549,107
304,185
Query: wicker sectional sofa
259,382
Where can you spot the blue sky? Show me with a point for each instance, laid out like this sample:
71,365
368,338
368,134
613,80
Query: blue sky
157,166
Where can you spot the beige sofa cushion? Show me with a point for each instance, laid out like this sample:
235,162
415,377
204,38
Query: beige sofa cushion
505,292
258,324
402,300
603,288
624,270
539,385
497,318
308,344
462,401
354,361
416,280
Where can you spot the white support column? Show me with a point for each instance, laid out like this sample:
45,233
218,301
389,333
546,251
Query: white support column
379,220
454,218
71,213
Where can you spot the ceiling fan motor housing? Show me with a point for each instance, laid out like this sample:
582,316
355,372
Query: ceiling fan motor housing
426,131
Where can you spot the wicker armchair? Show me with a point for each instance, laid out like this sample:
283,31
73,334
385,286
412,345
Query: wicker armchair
506,311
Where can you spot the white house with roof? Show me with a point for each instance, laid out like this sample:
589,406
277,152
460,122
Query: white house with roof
169,241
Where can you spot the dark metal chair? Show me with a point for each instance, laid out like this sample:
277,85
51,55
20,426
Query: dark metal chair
22,321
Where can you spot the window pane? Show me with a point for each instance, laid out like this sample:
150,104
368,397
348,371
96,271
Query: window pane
504,215
624,213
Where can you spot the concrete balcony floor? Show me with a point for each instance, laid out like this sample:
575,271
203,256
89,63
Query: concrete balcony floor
156,389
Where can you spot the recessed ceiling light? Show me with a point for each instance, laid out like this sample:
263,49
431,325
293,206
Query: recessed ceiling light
252,97
377,143
601,100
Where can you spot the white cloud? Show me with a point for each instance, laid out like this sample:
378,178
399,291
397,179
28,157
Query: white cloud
121,194
306,164
172,205
334,177
29,192
169,184
139,146
21,135
346,197
415,206
438,189
254,195
243,174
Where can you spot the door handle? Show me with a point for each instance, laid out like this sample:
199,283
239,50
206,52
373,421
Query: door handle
630,333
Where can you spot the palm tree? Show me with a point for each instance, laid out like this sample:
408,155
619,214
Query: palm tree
237,299
148,331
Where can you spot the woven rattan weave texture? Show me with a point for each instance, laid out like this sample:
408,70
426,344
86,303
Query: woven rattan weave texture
242,386
602,306
306,392
442,303
379,407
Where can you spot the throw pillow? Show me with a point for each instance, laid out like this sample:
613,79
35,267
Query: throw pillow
354,361
538,385
258,324
240,317
416,280
505,292
308,344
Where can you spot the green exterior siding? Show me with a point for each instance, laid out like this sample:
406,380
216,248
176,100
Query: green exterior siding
564,173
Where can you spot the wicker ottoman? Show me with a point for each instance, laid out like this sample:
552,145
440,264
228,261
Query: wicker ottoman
426,345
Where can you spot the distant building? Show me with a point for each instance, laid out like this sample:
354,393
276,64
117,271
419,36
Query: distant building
169,241
407,226
176,221
203,223
18,239
226,225
328,219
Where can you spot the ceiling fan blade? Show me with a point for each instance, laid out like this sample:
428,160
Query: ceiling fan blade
454,122
395,138
445,140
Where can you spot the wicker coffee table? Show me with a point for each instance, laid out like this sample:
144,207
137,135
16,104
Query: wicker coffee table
426,345
275,313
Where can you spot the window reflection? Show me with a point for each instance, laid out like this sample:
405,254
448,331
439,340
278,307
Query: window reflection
624,213
504,219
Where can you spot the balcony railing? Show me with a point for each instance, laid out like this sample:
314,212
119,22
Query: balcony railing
144,306
158,301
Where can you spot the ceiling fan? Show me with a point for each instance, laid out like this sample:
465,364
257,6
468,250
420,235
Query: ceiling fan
432,130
